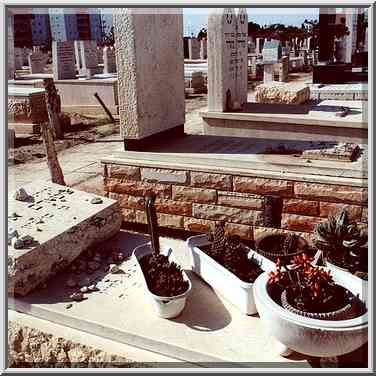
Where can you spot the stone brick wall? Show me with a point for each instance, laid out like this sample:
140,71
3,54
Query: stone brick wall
194,200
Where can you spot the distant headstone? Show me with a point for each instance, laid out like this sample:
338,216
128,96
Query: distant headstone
100,55
193,48
268,73
284,69
77,54
37,62
272,51
11,62
89,57
18,59
25,55
150,65
227,59
63,60
203,49
109,60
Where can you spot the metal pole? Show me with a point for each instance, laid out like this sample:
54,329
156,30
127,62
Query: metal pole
108,112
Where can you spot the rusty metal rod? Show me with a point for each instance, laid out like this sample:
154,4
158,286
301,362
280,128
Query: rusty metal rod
108,112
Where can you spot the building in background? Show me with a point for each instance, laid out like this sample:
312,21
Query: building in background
40,28
75,24
23,36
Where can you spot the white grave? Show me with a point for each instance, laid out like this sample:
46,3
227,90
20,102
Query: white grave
63,60
89,57
227,59
150,65
109,60
37,62
193,49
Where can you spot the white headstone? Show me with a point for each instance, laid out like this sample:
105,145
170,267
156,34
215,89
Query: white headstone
268,73
242,57
366,40
351,23
109,60
11,62
203,49
89,56
221,54
37,62
193,48
18,59
77,54
272,51
63,60
150,65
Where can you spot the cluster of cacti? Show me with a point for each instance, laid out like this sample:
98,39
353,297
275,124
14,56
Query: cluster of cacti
230,252
342,242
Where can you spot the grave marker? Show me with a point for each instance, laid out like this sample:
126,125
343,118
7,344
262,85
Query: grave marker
18,58
109,60
89,57
37,62
63,60
242,57
193,48
203,49
150,65
11,62
272,51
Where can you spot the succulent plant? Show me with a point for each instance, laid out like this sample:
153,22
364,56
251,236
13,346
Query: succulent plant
343,242
219,240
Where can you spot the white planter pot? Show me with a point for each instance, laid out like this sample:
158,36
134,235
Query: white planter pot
321,338
334,267
225,283
169,306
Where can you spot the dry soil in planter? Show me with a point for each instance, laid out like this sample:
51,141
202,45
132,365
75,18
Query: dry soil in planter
237,263
164,278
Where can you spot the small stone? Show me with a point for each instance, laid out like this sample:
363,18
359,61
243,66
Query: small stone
12,233
17,243
114,269
21,195
121,295
84,289
93,288
39,229
71,283
70,305
77,296
96,200
27,239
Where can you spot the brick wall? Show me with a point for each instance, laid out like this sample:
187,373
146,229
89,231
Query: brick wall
193,200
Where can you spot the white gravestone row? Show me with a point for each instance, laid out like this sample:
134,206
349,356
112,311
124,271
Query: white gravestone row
63,60
89,57
37,62
109,60
227,59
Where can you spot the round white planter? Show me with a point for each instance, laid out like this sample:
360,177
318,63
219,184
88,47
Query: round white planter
321,338
166,307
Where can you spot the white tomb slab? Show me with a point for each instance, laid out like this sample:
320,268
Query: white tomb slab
63,222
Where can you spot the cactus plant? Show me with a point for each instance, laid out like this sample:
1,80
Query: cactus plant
342,242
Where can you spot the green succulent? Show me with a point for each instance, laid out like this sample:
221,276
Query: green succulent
341,240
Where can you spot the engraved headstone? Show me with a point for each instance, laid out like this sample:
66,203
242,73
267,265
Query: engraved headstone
100,55
37,62
150,65
63,60
109,60
11,62
203,49
77,54
18,58
272,51
89,56
242,57
193,48
227,59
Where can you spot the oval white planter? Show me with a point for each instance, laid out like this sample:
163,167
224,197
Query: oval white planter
166,307
225,283
322,338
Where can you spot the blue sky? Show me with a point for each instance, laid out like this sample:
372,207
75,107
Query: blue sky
196,18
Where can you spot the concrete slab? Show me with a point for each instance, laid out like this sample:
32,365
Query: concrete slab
62,222
210,330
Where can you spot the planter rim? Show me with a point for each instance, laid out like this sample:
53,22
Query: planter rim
203,240
142,247
261,294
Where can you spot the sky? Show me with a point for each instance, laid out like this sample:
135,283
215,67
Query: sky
197,18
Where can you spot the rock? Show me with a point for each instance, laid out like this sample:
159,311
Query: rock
70,305
21,195
12,233
84,289
17,243
96,200
93,288
71,283
78,296
281,92
27,240
114,269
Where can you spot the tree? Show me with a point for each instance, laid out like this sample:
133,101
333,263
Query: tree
202,34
